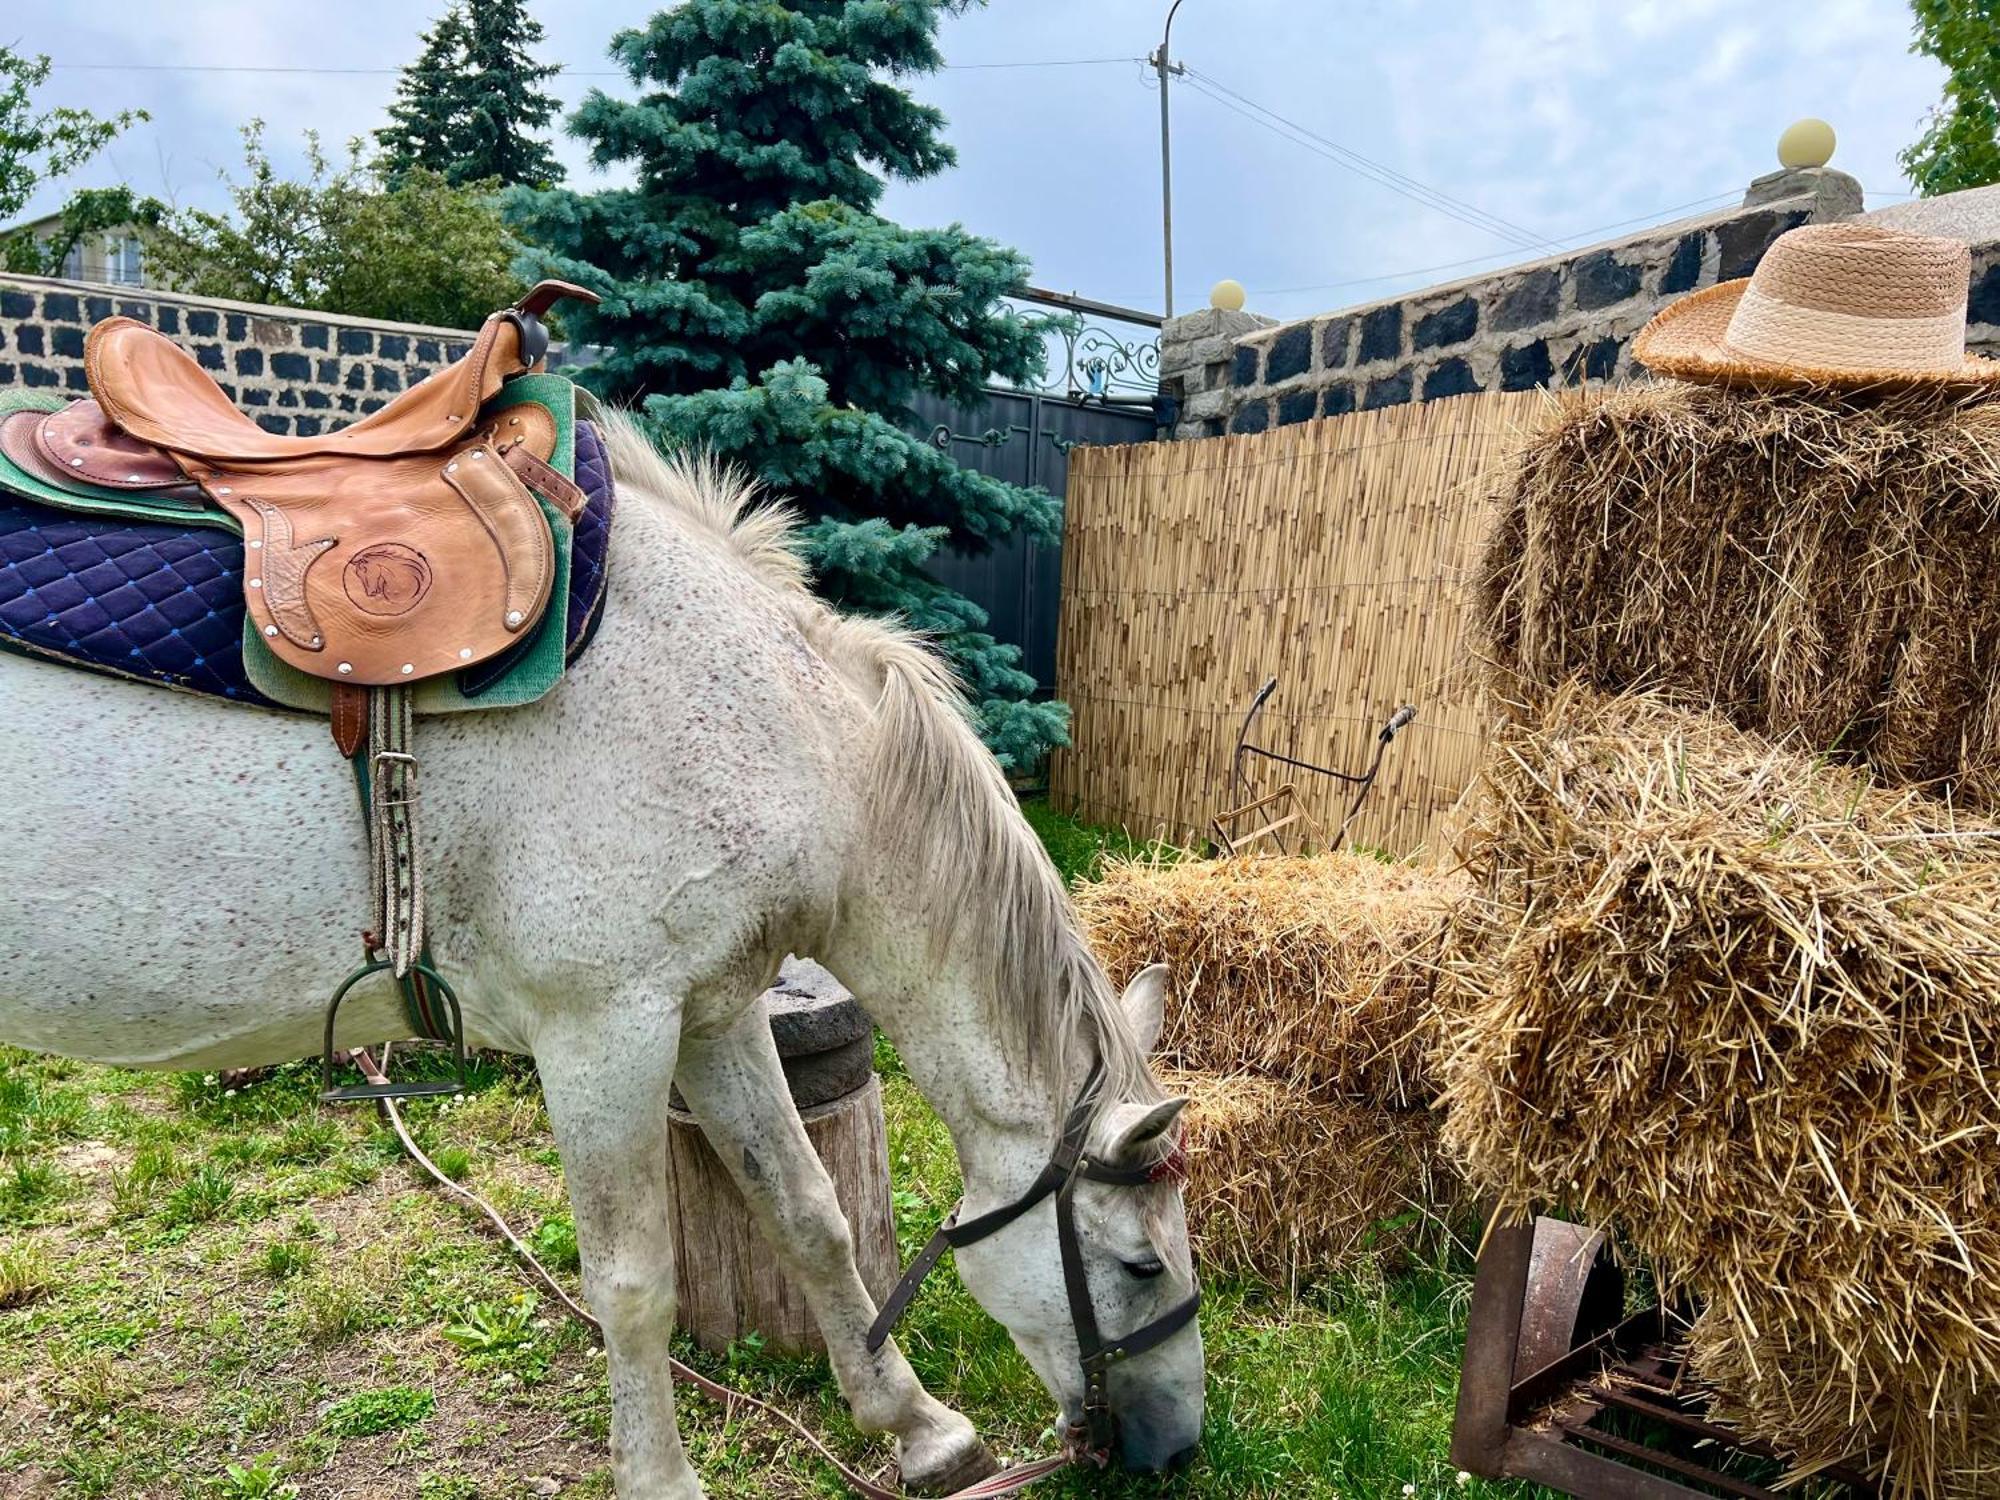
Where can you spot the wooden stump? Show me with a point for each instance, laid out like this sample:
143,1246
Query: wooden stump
725,1275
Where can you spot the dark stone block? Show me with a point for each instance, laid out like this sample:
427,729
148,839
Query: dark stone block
77,378
357,378
372,404
318,400
347,403
1447,326
249,361
313,335
1526,366
1535,298
457,351
227,387
31,338
1243,367
1450,377
15,304
307,426
1602,278
208,356
60,307
67,342
393,346
428,352
39,375
1291,354
386,378
811,1011
236,328
291,367
1381,335
1593,361
1743,241
1253,418
1339,399
1297,406
97,309
7,374
143,311
329,372
356,341
202,323
272,422
1983,306
1336,335
169,319
1390,390
288,398
256,396
1683,272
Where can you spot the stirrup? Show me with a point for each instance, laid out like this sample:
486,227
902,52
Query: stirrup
328,1094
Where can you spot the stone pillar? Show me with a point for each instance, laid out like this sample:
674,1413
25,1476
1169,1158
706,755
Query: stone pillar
726,1278
1195,355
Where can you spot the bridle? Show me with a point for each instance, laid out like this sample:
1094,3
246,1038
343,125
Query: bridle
1098,1431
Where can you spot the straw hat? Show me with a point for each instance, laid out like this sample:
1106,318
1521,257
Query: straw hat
1829,305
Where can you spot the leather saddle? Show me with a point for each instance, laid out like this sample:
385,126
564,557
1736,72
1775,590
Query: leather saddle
405,546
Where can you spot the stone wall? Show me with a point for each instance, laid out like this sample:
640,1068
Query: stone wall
1566,319
295,372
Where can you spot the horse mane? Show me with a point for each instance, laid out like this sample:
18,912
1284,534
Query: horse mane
973,850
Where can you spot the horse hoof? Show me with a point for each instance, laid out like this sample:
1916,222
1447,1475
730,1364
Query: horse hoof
954,1472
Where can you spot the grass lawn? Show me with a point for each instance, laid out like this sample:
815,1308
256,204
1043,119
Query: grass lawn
214,1293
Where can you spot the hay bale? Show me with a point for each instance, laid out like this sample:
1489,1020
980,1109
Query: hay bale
1314,971
1288,1187
1745,1006
1803,564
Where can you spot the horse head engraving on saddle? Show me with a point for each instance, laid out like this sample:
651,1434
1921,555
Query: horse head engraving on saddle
399,548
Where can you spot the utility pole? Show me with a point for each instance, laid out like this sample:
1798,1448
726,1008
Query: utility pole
1167,69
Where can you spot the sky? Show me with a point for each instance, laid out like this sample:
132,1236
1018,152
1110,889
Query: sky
1568,121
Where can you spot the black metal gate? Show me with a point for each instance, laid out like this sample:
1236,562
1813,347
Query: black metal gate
1022,437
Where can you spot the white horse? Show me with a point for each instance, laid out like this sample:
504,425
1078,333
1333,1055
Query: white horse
613,875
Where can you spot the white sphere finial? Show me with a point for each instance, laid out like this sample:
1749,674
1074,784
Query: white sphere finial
1805,143
1227,295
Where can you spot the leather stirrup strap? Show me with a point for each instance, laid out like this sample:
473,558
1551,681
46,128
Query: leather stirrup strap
397,884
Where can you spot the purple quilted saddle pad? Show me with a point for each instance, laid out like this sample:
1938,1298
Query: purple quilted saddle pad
164,603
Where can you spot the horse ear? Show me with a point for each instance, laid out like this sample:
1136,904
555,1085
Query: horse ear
1131,1130
1145,1003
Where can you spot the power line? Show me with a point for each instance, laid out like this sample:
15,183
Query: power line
1365,166
1658,216
1048,62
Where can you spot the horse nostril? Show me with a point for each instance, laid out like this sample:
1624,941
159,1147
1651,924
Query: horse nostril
1182,1459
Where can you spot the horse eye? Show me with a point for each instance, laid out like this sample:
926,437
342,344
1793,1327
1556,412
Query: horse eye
1144,1270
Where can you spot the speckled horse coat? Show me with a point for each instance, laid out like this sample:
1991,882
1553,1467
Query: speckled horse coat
614,875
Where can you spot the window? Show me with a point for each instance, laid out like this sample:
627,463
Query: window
122,260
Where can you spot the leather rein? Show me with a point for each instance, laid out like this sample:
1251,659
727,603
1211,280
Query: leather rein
1096,1434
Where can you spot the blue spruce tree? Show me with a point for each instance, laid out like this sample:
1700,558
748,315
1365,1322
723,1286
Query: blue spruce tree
755,303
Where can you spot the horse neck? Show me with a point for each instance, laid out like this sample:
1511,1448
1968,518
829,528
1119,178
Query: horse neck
1002,1106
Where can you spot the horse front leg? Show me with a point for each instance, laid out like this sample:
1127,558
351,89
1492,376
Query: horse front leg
736,1086
605,1082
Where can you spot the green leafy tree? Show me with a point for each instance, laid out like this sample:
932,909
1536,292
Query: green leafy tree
1960,146
471,106
340,240
759,306
42,146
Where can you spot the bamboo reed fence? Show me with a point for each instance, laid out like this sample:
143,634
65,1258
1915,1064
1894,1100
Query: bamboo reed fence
1332,555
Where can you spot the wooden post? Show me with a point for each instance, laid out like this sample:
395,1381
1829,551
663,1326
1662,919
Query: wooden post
726,1277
